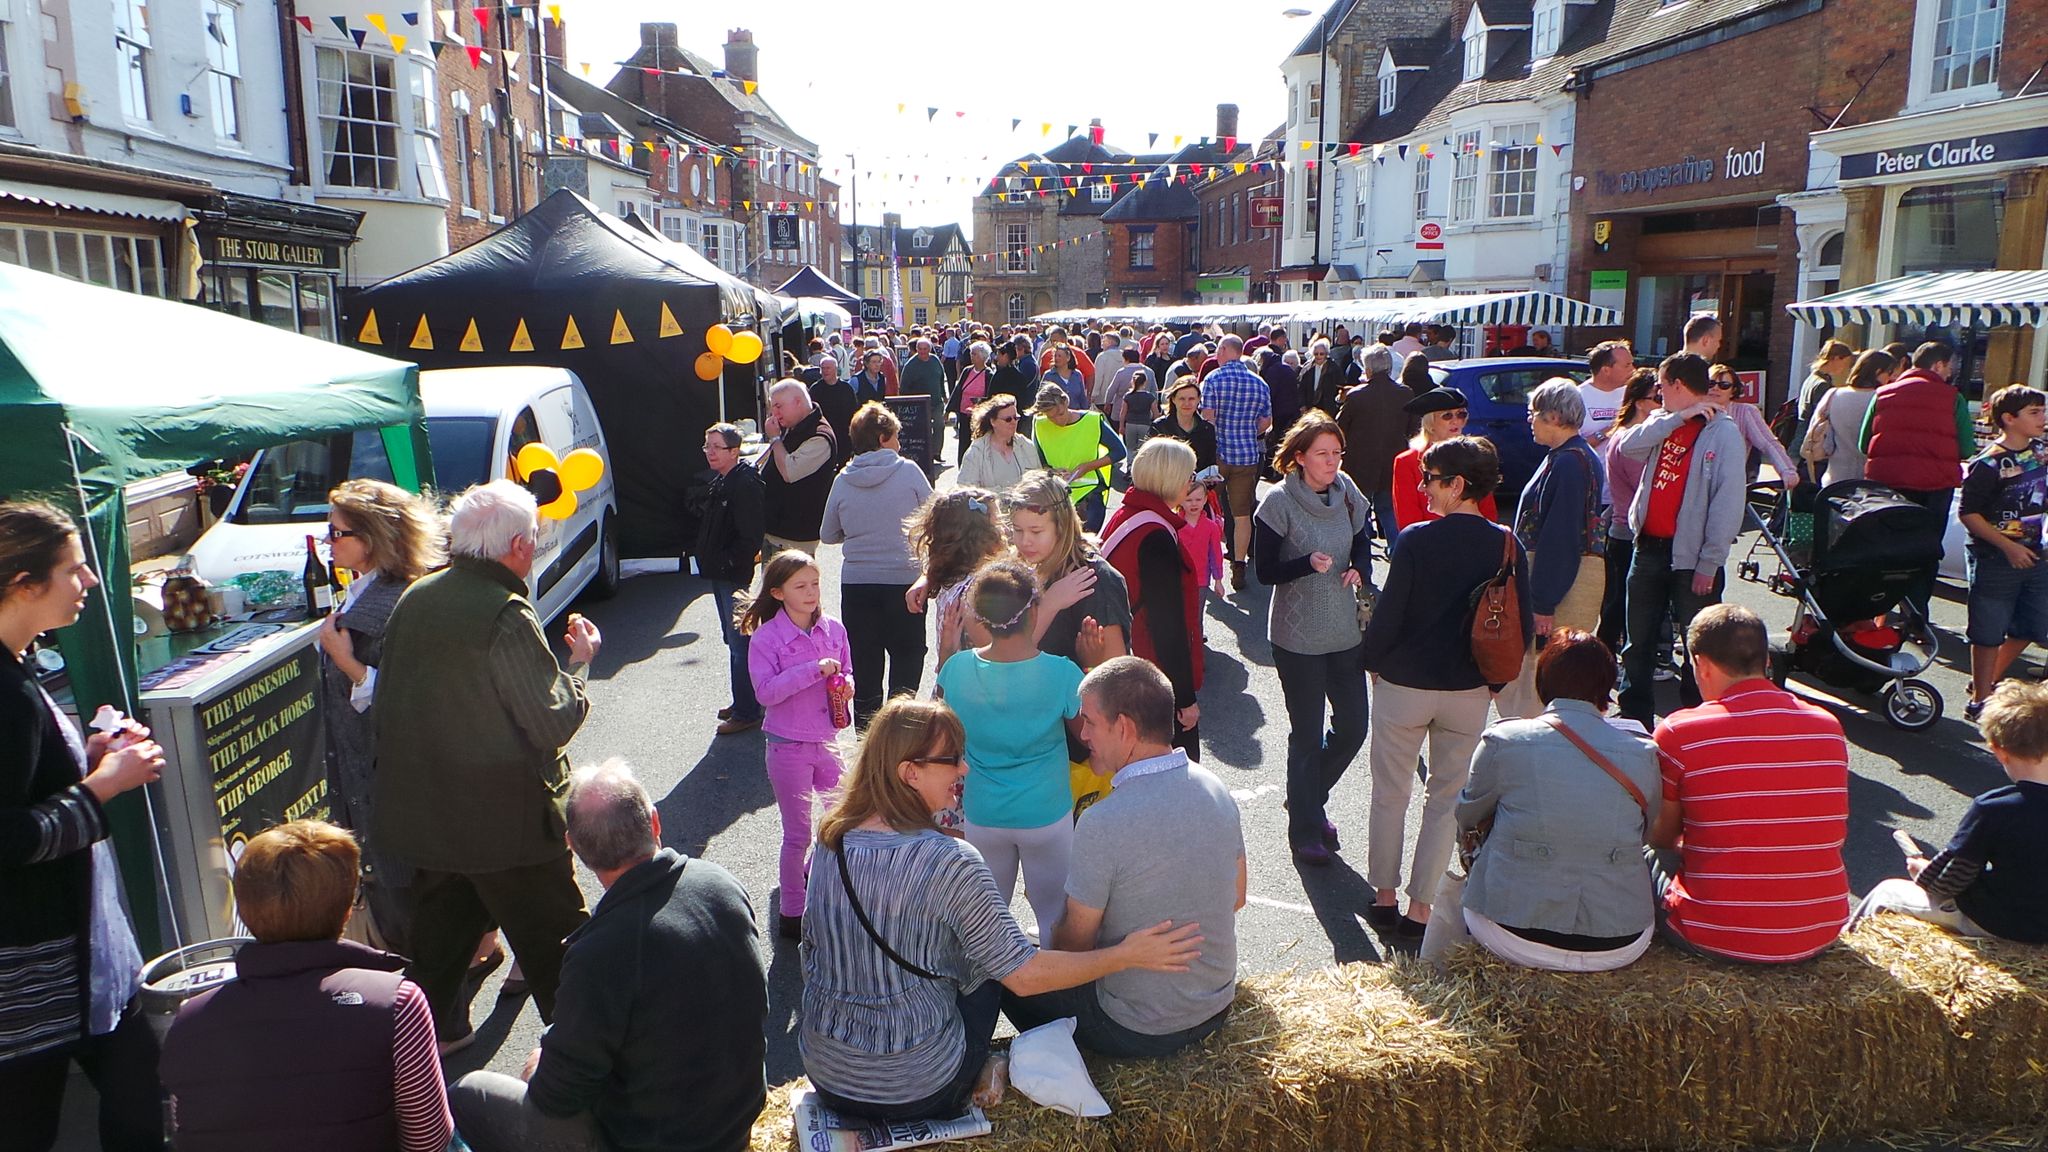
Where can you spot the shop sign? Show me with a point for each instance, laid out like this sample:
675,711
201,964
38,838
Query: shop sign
782,231
1266,211
1943,155
1432,236
262,738
872,311
1219,285
1735,164
272,253
1608,288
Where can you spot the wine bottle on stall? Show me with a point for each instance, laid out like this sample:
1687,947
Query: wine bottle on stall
316,583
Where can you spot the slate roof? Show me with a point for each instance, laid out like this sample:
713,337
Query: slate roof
1332,19
1159,199
674,57
940,239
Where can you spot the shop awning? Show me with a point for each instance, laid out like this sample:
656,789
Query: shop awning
1544,309
104,203
1992,299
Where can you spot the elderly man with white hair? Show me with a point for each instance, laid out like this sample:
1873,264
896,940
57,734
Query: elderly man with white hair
472,715
797,472
658,1040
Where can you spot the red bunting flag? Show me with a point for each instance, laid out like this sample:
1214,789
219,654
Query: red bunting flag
1230,143
483,17
476,55
1354,146
305,22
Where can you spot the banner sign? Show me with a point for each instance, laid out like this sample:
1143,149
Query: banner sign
783,231
263,741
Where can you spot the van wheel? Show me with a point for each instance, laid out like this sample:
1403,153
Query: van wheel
605,584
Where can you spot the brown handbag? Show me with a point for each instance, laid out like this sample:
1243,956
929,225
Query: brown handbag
1498,645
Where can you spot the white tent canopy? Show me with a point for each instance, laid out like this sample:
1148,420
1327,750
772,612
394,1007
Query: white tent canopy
1541,309
1990,299
817,309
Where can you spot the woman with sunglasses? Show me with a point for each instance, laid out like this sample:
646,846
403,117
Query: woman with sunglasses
998,457
908,944
1425,684
1443,414
1723,386
389,538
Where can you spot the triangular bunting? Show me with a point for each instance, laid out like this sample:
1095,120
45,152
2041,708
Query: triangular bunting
1557,149
305,22
1045,129
586,72
412,18
930,114
555,14
471,342
422,339
749,86
512,58
398,44
1151,138
476,54
620,333
376,20
340,22
571,338
521,342
447,18
369,334
360,34
1014,122
669,327
483,17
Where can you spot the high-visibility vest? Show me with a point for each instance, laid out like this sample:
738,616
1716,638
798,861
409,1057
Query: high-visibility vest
1071,446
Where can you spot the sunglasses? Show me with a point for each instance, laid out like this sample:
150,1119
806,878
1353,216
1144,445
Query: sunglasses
948,761
334,533
1436,478
1010,419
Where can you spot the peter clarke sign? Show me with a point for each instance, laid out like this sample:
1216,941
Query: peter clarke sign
1943,155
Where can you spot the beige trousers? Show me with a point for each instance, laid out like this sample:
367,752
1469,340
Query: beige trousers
1580,610
1402,718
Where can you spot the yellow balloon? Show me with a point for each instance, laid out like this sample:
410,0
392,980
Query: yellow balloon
718,338
581,470
710,366
563,507
533,458
746,348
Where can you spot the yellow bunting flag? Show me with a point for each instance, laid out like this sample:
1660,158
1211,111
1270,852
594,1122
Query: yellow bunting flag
376,20
620,333
586,67
1176,141
808,204
555,14
571,338
1239,167
1045,129
669,327
398,44
369,334
521,342
471,342
421,337
750,85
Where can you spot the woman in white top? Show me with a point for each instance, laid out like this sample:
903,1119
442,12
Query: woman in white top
1838,420
999,457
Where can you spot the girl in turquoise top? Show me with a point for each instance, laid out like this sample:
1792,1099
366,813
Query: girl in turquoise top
1013,699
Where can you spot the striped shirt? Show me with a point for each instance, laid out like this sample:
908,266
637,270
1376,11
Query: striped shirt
871,1030
417,1092
1763,781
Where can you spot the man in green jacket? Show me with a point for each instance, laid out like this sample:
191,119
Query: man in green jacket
472,715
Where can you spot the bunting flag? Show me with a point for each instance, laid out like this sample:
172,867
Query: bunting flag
369,334
586,73
1095,133
1354,147
1557,149
749,86
1014,122
571,337
521,342
1177,140
669,327
422,338
376,20
305,22
1230,143
412,18
1403,150
1071,129
555,14
471,342
360,34
620,333
476,54
1045,128
1151,139
447,18
929,114
512,59
398,44
340,22
483,18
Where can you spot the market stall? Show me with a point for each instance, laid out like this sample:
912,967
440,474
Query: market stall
810,282
1967,308
1523,309
631,313
99,389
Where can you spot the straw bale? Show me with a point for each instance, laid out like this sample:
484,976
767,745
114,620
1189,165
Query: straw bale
1680,1052
1994,997
1343,1058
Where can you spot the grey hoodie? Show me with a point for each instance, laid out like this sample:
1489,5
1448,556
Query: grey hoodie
871,497
1716,488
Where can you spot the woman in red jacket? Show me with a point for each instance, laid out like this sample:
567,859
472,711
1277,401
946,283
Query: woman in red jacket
1141,541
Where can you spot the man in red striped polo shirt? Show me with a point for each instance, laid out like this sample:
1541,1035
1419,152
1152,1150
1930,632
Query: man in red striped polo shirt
1756,804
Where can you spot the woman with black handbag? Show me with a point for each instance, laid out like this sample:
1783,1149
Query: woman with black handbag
906,938
1426,683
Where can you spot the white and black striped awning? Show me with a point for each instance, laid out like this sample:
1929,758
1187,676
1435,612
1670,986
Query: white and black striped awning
1534,309
1993,299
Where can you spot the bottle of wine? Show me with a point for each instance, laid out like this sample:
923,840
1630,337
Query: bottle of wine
315,582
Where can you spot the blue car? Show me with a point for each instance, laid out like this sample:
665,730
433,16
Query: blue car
1497,396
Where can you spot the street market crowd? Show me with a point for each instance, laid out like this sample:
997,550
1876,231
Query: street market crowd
1498,650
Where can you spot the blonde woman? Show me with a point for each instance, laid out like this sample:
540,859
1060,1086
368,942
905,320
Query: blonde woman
1443,413
1086,611
389,538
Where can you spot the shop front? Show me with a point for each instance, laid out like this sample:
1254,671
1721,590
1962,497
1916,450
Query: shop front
1960,190
276,262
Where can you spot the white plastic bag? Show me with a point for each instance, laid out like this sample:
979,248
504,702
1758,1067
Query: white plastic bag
1045,1065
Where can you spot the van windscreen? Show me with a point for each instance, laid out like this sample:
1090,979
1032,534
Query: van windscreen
288,484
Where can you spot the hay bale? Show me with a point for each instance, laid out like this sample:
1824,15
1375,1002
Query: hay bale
1679,1052
1993,995
1343,1058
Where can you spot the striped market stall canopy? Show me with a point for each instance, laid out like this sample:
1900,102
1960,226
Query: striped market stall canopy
1537,309
1992,299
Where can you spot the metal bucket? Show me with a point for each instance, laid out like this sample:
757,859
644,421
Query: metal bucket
175,977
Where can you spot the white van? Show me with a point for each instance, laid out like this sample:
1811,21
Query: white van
477,421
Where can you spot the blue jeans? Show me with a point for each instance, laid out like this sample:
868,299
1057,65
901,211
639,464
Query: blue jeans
744,705
1654,587
978,1011
1316,760
1095,1029
1383,513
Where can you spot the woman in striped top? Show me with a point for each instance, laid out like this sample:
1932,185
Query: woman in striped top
906,938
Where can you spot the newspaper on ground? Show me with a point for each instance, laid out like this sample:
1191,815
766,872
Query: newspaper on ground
820,1129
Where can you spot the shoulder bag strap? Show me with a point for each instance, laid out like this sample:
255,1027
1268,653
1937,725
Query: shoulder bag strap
862,915
1606,765
1507,551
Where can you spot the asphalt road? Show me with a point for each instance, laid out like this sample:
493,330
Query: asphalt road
661,676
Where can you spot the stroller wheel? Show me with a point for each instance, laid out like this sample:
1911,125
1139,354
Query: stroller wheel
1911,704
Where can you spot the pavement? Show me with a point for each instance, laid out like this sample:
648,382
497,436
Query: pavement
661,676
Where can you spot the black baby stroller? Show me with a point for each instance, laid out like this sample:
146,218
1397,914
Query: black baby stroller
1848,558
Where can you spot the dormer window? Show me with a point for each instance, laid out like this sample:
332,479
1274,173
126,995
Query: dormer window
921,239
1390,86
1547,29
1475,51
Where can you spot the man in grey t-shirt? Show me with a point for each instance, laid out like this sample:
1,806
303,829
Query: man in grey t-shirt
1164,845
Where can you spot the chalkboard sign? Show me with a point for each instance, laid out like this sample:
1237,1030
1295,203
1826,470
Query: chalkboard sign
262,736
872,311
918,440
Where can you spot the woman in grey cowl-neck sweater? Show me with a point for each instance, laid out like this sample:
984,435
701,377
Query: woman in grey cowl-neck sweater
1312,543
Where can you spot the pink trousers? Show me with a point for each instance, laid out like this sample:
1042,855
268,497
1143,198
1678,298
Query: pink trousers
799,772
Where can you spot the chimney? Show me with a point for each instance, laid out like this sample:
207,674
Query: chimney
1226,121
742,59
657,36
891,221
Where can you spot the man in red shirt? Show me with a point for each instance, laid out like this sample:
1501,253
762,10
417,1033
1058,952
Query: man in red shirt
1746,852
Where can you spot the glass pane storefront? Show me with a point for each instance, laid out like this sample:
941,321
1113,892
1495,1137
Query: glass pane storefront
300,302
1745,303
1950,227
108,259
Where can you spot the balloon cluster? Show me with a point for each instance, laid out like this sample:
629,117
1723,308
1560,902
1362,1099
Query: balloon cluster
722,344
555,482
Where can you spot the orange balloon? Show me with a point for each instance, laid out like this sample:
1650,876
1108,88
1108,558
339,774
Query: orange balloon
718,338
561,508
710,366
746,347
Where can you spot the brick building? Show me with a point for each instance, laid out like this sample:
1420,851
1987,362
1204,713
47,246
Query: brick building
493,122
1033,271
1152,243
923,271
1235,256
